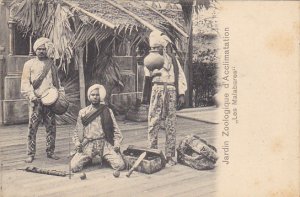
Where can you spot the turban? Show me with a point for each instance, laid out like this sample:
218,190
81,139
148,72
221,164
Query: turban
39,42
102,91
157,39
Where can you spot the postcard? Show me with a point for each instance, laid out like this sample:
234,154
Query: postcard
149,98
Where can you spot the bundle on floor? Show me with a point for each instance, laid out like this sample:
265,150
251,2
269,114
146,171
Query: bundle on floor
196,153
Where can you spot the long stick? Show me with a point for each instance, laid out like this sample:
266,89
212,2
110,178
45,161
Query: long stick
69,154
81,78
136,17
137,162
105,22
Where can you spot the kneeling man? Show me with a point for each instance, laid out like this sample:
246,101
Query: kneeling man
97,133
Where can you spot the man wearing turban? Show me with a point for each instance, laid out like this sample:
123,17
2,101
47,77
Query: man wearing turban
97,133
168,89
40,74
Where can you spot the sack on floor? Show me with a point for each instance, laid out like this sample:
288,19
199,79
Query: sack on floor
196,153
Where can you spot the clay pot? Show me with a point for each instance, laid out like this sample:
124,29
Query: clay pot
154,61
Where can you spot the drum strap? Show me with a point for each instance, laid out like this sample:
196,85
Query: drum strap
49,65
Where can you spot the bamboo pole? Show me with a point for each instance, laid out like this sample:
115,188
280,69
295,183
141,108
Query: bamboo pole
30,45
103,21
81,78
136,17
167,19
188,67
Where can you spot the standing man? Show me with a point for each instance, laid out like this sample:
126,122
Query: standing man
40,74
168,89
97,133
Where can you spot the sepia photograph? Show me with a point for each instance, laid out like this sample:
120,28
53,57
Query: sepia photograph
149,98
109,98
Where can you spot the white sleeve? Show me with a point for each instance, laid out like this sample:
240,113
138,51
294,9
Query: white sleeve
182,84
146,72
26,87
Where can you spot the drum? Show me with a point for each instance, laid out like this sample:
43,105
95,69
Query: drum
57,101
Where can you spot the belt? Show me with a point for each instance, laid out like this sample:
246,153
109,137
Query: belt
93,139
163,83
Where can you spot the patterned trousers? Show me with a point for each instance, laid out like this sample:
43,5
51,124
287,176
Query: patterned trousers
37,113
162,110
97,148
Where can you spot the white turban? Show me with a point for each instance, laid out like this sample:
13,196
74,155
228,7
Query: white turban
157,39
102,91
39,42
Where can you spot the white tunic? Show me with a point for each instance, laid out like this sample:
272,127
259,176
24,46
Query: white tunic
32,70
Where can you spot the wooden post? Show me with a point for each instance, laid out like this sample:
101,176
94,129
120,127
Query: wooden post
11,26
30,45
2,75
188,67
81,77
128,49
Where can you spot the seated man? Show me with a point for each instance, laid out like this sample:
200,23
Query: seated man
97,133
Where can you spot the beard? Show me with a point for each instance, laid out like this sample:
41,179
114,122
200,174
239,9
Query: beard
95,103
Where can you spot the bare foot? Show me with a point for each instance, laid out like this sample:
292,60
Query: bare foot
29,159
53,156
171,162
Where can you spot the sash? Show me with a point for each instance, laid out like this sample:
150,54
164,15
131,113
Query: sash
49,65
176,72
106,121
92,115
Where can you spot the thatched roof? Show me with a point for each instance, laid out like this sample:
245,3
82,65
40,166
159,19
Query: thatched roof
106,11
109,10
72,23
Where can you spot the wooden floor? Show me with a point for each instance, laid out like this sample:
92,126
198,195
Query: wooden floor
178,180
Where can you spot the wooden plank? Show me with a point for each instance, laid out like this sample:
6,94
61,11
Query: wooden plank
110,185
147,186
159,183
183,186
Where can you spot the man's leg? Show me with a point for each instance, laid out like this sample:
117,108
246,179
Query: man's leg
34,120
82,158
50,124
78,161
170,127
113,158
154,117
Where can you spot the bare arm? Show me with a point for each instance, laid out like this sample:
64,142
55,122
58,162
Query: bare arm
182,84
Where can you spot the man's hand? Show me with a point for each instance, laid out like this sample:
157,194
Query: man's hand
33,98
180,101
78,147
117,149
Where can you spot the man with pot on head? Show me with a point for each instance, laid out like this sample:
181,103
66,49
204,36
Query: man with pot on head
40,74
97,133
164,75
